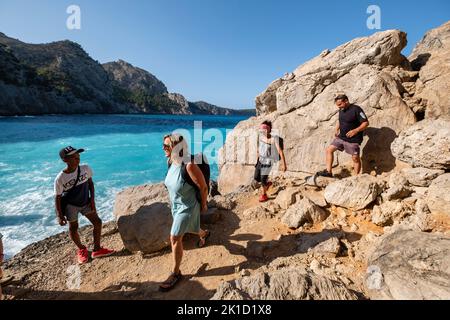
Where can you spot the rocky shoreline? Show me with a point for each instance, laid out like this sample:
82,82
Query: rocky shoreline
384,234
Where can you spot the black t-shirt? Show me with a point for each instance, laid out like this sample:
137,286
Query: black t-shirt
351,118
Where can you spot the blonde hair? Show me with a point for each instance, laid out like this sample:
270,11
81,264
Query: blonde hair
179,147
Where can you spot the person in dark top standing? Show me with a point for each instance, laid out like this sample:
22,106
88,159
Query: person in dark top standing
348,135
74,194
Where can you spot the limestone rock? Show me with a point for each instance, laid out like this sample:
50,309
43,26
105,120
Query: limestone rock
302,212
332,246
287,197
233,176
421,220
398,188
438,198
284,284
421,177
389,212
431,57
369,70
355,192
316,197
425,144
308,241
222,203
144,218
410,265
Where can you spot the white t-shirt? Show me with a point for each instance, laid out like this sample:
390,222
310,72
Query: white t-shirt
65,181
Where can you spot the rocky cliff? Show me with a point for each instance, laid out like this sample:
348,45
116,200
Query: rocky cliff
395,92
61,78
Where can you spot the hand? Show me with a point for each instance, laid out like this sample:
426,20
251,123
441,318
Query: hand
204,208
283,167
62,221
336,134
352,133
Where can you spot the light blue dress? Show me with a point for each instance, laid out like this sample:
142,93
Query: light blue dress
185,206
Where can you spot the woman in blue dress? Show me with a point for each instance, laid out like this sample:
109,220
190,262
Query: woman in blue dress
185,207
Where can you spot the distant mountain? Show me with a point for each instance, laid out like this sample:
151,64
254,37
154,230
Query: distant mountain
202,107
61,78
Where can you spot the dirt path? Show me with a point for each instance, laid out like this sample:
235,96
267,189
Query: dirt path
237,246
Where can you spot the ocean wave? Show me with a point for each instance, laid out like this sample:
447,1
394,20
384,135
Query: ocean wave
29,166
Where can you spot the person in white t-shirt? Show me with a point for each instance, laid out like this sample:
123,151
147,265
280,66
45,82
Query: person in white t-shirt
74,194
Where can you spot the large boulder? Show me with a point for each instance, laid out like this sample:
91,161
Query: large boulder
144,218
425,144
355,192
391,211
431,57
301,105
410,265
421,177
438,196
284,284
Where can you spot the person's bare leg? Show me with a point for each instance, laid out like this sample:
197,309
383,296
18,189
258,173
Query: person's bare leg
330,157
97,223
73,233
356,165
177,252
265,188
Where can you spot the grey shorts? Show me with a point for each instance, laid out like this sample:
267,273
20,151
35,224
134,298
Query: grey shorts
350,148
72,212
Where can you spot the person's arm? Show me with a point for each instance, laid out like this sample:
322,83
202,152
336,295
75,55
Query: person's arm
59,215
364,122
363,126
338,128
92,193
281,153
197,177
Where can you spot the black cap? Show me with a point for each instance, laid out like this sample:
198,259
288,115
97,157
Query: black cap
68,151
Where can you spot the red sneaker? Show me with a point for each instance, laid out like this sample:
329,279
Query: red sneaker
263,198
82,256
103,252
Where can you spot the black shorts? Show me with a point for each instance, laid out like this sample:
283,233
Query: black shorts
262,173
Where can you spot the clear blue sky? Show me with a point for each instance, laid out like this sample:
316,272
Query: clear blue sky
222,51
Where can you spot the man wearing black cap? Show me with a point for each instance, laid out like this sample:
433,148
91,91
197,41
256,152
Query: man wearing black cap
74,193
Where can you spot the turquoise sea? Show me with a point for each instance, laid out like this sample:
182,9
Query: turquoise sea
123,151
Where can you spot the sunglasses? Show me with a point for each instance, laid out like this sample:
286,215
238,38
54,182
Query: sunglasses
166,146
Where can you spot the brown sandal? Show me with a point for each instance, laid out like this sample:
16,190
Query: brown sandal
171,281
199,243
